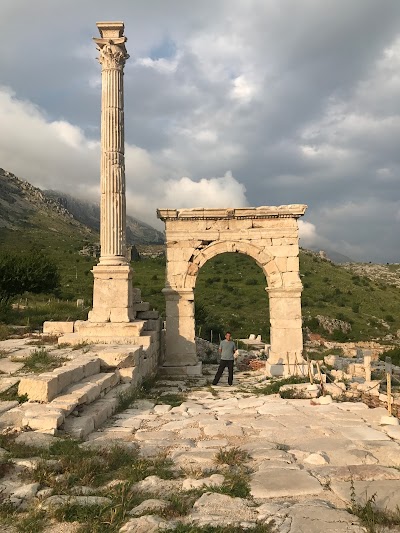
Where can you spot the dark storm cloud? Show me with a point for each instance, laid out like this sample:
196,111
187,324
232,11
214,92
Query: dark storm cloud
299,100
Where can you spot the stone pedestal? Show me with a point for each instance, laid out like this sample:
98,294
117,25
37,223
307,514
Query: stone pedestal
285,356
112,294
180,347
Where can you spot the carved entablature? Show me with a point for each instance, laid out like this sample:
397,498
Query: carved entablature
281,211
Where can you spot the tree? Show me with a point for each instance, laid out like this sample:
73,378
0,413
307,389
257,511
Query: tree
28,271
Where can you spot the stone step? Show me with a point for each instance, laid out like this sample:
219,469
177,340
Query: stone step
121,356
85,392
93,416
77,338
105,329
45,387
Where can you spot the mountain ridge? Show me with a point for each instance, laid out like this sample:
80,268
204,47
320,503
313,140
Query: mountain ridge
24,206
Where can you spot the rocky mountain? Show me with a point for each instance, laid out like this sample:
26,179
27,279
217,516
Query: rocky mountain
88,213
28,208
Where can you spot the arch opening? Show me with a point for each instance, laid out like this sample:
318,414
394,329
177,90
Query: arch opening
229,294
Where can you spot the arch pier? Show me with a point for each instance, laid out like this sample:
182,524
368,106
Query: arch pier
270,235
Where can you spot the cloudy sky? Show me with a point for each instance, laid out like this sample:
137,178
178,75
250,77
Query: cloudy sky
227,103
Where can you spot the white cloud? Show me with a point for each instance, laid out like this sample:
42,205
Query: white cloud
308,234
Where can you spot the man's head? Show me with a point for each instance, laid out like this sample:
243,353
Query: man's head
228,335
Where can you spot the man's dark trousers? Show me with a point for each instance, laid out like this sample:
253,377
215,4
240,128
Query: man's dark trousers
221,368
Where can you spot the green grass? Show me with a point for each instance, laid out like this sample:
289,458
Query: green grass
274,385
372,517
229,293
11,395
40,360
231,456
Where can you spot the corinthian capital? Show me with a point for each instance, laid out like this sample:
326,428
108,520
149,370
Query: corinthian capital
111,45
112,55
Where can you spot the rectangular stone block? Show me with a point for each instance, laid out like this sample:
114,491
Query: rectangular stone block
79,427
148,315
57,328
39,388
291,279
142,306
91,366
290,250
293,264
129,375
120,357
65,377
282,241
136,295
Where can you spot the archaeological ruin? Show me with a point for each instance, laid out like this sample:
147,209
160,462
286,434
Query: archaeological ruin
269,235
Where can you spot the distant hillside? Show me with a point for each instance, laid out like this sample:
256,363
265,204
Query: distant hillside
88,213
25,208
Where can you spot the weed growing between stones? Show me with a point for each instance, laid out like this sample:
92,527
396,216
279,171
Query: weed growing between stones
274,386
84,345
34,521
370,516
11,394
282,447
173,399
40,360
234,456
43,340
292,394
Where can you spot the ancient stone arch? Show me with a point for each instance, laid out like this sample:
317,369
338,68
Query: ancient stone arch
267,234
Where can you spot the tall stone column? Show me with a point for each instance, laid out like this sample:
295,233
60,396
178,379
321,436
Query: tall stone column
112,291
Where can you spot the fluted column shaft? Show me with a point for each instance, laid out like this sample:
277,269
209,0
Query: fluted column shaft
113,202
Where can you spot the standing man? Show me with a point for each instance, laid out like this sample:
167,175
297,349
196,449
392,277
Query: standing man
226,349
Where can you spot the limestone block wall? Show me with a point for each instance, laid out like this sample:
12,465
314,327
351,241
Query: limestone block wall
269,235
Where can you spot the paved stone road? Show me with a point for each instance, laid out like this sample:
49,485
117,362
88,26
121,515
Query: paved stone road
304,457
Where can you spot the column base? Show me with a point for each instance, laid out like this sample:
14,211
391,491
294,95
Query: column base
181,371
112,294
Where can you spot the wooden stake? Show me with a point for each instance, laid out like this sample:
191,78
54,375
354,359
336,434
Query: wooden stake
320,377
388,368
288,364
311,377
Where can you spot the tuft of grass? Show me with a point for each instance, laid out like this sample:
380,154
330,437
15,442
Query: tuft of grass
292,394
11,394
81,345
43,340
281,446
174,399
126,399
236,484
33,522
40,360
370,516
274,386
234,456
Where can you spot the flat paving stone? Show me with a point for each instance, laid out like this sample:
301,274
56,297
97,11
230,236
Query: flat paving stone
284,483
10,367
7,383
363,433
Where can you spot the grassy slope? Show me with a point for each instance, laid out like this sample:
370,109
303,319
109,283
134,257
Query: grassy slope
230,291
231,287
